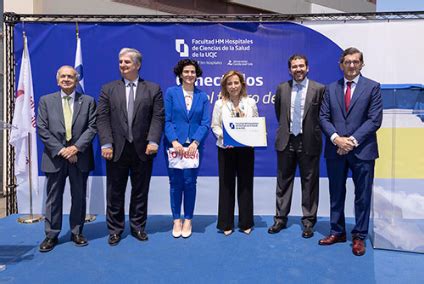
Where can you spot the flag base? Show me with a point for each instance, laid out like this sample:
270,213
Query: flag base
30,219
90,218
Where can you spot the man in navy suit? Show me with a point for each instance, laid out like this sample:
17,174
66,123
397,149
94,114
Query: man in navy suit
66,125
351,113
130,121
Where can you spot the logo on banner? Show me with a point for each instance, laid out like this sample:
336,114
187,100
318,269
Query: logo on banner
181,47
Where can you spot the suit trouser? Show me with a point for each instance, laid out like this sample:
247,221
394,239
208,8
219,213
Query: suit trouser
237,162
54,202
287,161
182,187
117,178
363,177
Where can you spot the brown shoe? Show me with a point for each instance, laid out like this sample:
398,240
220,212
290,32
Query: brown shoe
358,247
332,239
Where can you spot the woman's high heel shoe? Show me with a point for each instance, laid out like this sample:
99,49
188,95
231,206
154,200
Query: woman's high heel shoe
176,230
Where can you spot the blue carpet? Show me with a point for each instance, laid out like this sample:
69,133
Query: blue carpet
206,257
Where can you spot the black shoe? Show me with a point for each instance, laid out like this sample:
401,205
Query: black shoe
276,228
79,240
307,233
140,235
48,244
114,239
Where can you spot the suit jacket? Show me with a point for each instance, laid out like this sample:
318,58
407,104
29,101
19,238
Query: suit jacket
311,132
148,118
361,121
51,129
180,125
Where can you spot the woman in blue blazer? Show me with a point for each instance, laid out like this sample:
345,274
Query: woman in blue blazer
186,127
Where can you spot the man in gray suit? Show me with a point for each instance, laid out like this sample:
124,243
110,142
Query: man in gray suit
130,120
66,124
298,142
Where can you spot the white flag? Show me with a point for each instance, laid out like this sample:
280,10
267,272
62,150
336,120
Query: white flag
24,120
79,67
80,89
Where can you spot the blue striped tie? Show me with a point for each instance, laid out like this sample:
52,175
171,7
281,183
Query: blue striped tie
297,111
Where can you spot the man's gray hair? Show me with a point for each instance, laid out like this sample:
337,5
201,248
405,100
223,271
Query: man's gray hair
133,53
77,75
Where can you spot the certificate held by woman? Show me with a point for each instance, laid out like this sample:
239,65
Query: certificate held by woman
244,131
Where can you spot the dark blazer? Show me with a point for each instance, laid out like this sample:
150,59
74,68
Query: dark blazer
180,125
311,135
361,121
51,129
148,117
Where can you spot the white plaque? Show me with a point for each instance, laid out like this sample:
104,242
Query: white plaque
244,131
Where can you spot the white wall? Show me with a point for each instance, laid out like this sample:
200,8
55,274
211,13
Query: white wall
310,6
392,49
19,7
206,197
278,6
106,7
97,7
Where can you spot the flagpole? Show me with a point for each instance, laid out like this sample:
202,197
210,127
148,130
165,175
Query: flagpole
31,218
30,174
88,217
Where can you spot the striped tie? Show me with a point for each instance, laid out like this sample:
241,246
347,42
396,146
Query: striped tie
297,111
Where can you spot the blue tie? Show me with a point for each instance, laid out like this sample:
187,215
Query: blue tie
296,123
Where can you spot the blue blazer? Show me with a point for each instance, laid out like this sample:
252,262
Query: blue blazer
361,121
180,125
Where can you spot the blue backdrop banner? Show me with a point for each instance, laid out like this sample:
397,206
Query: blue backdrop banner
259,50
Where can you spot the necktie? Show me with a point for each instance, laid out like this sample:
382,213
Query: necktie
297,111
67,113
130,111
348,95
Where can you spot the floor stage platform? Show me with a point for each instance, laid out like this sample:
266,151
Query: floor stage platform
206,257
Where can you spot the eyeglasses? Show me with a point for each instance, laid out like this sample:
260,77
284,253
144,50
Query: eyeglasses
354,62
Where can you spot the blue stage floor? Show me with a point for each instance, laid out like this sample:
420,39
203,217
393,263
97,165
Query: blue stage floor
206,257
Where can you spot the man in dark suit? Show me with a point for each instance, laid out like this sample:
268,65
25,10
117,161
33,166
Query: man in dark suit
130,122
351,114
66,124
298,142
